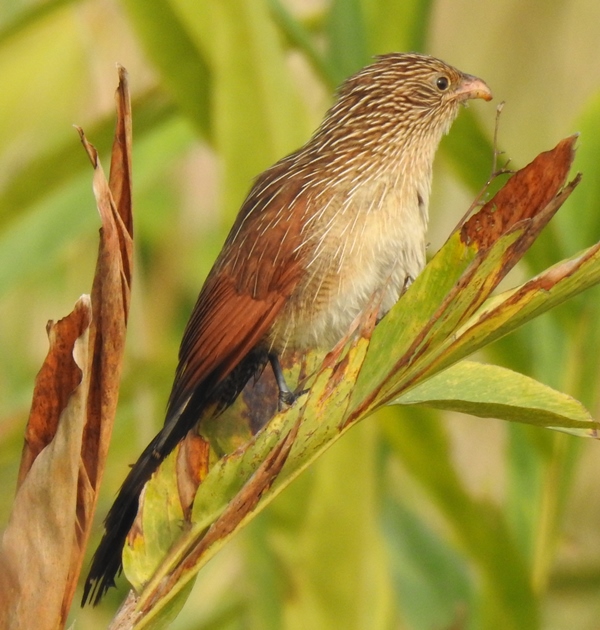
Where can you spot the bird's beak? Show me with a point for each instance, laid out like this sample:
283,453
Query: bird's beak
472,87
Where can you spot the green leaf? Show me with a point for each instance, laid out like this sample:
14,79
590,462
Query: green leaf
420,304
500,233
182,66
578,228
257,113
430,577
154,534
398,25
418,339
507,311
299,37
469,152
42,63
26,17
328,544
47,228
478,526
491,391
240,480
149,542
63,162
346,28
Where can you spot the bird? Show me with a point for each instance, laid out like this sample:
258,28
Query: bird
320,232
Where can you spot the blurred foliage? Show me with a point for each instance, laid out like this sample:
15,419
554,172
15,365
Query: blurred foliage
401,523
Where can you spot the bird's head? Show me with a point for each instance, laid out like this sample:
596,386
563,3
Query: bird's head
399,100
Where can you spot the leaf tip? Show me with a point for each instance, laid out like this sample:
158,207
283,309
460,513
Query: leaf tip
89,148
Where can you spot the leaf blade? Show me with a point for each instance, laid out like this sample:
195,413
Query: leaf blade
487,390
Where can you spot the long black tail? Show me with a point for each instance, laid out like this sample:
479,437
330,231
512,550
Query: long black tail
106,563
221,392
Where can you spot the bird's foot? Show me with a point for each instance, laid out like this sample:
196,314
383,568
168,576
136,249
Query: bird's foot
287,398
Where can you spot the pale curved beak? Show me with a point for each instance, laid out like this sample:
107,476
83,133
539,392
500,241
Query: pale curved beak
472,87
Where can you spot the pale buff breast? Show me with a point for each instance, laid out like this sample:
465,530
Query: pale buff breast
368,242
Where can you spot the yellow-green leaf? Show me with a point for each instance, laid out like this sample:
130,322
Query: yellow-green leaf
491,391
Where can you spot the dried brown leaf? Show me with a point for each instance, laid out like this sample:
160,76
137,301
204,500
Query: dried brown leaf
192,468
54,385
527,202
38,542
119,179
110,305
72,414
524,196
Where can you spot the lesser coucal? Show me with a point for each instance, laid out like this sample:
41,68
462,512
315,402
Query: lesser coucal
319,233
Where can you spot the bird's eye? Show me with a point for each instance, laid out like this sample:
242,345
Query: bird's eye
442,83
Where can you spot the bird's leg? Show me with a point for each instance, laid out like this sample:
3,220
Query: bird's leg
286,395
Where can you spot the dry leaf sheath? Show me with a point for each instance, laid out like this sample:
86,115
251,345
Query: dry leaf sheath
319,234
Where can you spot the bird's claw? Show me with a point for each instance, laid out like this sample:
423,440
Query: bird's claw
288,398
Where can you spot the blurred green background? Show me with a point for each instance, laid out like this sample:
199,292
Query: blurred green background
416,521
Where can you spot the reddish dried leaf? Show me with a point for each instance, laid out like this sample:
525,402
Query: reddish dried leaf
72,415
525,194
526,202
519,207
192,468
110,304
119,179
38,544
54,384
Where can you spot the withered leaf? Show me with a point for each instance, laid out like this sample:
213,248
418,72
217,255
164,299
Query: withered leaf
72,414
55,383
110,307
524,196
37,546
